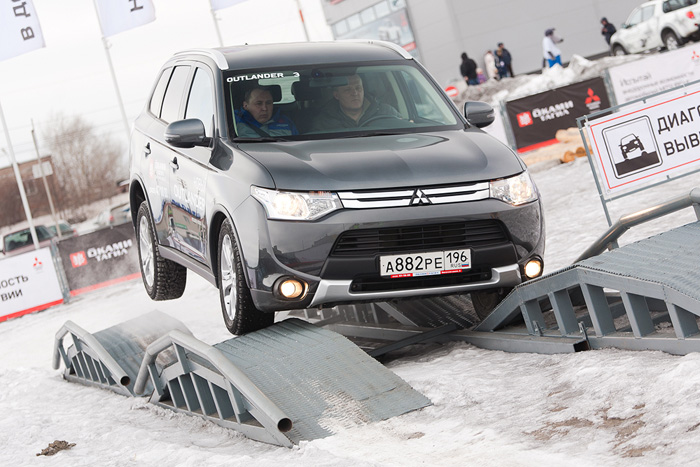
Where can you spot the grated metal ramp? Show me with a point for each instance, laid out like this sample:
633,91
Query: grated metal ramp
111,358
284,384
658,282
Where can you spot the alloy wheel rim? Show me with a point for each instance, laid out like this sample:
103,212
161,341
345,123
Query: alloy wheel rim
228,278
671,43
146,250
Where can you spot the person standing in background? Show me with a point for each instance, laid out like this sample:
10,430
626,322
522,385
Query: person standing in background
490,65
507,59
468,70
550,50
608,29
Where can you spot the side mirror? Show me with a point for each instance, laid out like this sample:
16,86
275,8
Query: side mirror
186,133
479,114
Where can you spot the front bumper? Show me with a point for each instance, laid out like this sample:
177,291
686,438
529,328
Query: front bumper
303,250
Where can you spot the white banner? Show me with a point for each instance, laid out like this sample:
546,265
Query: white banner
655,73
221,4
647,141
20,31
120,15
28,283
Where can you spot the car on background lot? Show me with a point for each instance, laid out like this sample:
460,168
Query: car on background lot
657,24
115,215
411,200
66,229
20,241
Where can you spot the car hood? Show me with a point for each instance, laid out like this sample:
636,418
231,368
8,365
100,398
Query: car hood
386,161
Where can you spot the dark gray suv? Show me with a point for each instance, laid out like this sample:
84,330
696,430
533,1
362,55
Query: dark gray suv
307,175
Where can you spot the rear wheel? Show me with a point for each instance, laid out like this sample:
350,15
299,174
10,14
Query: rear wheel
670,40
619,50
163,279
240,314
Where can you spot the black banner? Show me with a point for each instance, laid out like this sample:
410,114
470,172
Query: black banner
100,258
536,119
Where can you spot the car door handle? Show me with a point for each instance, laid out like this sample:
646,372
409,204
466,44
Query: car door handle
147,150
173,163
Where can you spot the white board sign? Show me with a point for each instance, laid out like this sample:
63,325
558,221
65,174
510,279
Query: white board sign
647,141
655,73
28,283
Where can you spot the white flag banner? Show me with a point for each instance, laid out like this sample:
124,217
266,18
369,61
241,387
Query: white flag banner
120,15
20,31
221,4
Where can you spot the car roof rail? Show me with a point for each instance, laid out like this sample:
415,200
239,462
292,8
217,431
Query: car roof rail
389,45
215,55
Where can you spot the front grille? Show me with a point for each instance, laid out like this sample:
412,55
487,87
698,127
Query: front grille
415,196
380,284
370,242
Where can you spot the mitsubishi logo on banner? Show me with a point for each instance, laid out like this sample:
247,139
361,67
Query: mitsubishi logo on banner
419,198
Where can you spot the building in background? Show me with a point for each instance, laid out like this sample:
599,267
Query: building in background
12,211
438,31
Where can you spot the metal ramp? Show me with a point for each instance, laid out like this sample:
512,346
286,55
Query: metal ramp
111,358
290,382
642,296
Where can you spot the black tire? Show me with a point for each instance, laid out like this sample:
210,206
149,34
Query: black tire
485,301
164,279
671,41
618,50
240,314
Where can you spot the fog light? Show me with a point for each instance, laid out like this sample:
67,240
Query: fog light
291,288
533,268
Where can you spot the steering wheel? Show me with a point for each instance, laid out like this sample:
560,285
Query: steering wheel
379,117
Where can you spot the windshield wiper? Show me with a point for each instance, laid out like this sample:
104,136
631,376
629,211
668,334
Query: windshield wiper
373,133
262,139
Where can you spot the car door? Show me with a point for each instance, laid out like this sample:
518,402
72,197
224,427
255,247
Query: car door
190,169
636,30
159,155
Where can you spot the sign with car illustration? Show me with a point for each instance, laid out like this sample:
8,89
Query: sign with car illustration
648,140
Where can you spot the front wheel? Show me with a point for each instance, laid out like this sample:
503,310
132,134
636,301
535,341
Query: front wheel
485,301
162,278
240,314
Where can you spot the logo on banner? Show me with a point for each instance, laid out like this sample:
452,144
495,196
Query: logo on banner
38,265
524,119
592,101
78,259
110,251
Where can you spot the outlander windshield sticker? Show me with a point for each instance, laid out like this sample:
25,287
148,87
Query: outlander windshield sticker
254,76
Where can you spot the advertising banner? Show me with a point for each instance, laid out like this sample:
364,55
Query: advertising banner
116,17
20,31
655,73
28,283
536,119
647,141
100,258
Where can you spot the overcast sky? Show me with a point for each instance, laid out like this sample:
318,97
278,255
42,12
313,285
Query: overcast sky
70,76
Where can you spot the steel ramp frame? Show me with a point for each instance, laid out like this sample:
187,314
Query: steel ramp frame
110,358
277,385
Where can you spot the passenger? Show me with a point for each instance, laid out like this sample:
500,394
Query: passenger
351,108
257,118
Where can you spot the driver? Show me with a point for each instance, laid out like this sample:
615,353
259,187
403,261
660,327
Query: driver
351,108
258,118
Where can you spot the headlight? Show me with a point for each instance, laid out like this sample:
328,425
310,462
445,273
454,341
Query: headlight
289,205
514,190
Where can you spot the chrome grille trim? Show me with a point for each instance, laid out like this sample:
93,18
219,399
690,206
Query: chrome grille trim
403,197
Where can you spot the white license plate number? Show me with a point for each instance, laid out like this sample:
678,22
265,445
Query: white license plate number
425,264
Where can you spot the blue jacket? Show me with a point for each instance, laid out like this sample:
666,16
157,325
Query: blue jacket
278,125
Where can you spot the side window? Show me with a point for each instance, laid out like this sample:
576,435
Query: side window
173,95
158,93
635,18
200,103
648,12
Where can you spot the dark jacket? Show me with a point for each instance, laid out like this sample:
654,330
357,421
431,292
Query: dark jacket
607,31
468,68
332,117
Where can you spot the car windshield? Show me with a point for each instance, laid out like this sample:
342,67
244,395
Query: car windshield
317,102
24,237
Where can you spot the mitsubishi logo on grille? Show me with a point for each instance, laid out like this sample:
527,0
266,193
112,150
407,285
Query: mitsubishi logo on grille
419,198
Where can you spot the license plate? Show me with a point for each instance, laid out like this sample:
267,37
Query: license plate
425,264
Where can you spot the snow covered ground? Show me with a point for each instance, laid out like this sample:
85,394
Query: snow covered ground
597,408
